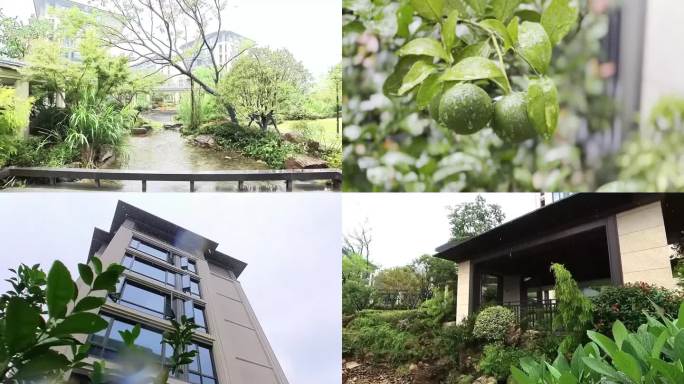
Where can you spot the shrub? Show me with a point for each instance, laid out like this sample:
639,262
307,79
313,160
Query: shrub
574,309
50,121
380,337
207,109
628,304
14,114
36,152
440,307
493,323
356,296
497,359
267,146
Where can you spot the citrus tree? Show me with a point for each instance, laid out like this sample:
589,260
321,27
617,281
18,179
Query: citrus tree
448,70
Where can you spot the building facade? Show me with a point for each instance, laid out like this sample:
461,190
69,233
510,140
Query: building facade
172,272
602,239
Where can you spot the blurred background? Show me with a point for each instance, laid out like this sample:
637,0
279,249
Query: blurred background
621,90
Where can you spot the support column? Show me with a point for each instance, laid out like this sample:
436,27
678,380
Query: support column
644,252
463,290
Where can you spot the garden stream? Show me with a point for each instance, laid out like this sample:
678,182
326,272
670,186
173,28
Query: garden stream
167,150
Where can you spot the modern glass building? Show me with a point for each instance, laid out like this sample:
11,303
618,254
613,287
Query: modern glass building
173,272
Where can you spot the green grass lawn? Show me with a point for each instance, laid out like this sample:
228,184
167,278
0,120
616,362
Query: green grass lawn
322,130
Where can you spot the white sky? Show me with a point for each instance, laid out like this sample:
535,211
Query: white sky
310,29
291,243
407,225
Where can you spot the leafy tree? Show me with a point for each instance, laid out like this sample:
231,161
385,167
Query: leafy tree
14,115
436,273
574,312
398,286
264,84
358,241
41,314
473,218
16,37
356,289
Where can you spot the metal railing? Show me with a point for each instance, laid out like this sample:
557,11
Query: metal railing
240,176
535,314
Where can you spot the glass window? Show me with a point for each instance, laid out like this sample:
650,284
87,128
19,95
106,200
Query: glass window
199,318
194,288
150,250
144,300
107,343
192,267
201,369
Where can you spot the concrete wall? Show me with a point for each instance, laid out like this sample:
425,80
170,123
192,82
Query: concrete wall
663,56
463,291
644,252
241,344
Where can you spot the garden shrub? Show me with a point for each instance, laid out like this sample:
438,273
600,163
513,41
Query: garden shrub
50,121
356,296
266,146
628,304
207,109
494,323
37,152
574,309
14,115
440,307
497,359
375,335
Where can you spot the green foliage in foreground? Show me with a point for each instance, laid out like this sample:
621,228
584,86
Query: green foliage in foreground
266,146
651,355
14,115
46,311
37,152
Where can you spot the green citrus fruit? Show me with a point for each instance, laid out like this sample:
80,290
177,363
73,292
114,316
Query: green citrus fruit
510,118
465,109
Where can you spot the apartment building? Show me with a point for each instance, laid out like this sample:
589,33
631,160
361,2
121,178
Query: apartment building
173,272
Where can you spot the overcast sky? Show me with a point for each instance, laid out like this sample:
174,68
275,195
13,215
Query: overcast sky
291,243
310,29
407,225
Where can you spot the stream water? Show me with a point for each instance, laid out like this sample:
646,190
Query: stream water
167,150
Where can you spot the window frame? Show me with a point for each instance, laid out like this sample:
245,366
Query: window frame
169,254
168,311
167,272
200,372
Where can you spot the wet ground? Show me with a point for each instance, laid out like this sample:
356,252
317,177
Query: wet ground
168,150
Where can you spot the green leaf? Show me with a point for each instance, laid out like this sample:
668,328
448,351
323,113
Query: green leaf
106,280
601,367
424,46
21,323
659,344
88,303
679,346
81,322
38,366
628,365
86,273
404,19
669,370
503,9
419,71
474,68
604,342
542,106
449,30
558,19
97,264
534,45
520,377
567,378
429,89
394,81
59,291
429,9
479,6
512,29
498,28
619,333
482,49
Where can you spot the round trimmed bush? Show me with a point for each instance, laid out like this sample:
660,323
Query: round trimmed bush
493,323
